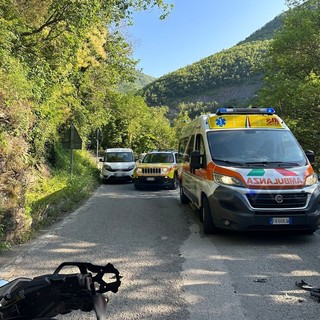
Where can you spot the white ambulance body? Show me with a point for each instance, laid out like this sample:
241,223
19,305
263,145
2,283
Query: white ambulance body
244,170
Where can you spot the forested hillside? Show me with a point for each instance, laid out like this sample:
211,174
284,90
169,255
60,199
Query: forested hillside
267,32
230,77
140,81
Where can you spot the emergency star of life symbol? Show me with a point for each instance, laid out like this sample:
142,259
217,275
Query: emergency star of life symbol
221,122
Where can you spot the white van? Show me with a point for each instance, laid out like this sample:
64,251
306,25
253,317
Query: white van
118,164
244,170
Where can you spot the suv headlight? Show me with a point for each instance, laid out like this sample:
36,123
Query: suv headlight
227,180
311,180
165,170
138,170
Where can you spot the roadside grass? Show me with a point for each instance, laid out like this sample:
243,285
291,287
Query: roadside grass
3,244
56,192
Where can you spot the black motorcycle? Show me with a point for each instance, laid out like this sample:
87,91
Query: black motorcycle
47,296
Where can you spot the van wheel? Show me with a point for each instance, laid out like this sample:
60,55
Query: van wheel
183,198
207,222
174,183
137,187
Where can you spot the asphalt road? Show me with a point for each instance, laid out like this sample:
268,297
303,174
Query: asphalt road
170,269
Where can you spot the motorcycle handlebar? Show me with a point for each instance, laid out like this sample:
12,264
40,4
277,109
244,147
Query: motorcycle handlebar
49,295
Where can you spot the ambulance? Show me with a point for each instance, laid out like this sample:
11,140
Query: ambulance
243,169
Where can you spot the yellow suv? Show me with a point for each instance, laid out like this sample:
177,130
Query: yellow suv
157,169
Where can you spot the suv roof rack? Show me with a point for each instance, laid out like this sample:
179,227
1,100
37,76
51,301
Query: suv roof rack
163,150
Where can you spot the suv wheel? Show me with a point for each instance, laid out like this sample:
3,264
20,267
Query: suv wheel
174,183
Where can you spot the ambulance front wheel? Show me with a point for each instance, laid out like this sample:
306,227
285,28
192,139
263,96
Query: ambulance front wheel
207,222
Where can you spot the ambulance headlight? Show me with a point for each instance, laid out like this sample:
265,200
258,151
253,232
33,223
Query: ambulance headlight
227,180
311,180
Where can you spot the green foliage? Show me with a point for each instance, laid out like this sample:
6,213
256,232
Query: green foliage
195,109
134,125
70,56
180,120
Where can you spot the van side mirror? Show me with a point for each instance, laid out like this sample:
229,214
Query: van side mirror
195,162
310,155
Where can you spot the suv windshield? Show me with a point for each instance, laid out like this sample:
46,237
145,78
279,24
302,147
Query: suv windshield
158,158
255,147
118,157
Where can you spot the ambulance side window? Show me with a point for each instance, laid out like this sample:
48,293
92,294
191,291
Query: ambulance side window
182,148
200,146
189,150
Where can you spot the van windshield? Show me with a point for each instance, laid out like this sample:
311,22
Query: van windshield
118,157
272,148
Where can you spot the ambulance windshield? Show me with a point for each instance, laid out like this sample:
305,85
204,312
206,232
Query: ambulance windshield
272,148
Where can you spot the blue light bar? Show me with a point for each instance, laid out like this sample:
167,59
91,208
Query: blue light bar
270,110
245,111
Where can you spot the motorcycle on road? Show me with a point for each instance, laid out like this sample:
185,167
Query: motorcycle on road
47,296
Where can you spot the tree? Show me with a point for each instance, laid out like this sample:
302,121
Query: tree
71,55
134,125
292,70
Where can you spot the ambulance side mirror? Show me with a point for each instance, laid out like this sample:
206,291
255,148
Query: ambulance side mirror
195,162
310,155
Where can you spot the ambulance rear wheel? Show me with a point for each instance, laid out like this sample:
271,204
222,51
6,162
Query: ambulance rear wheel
207,222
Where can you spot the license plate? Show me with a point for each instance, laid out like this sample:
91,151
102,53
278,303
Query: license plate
119,174
282,220
150,178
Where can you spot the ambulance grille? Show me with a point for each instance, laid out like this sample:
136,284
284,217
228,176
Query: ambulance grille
151,170
285,200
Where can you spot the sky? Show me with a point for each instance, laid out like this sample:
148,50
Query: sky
195,29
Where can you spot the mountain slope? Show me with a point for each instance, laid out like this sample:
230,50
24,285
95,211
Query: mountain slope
230,77
267,31
141,80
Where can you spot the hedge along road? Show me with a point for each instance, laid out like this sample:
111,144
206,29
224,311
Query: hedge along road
170,269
